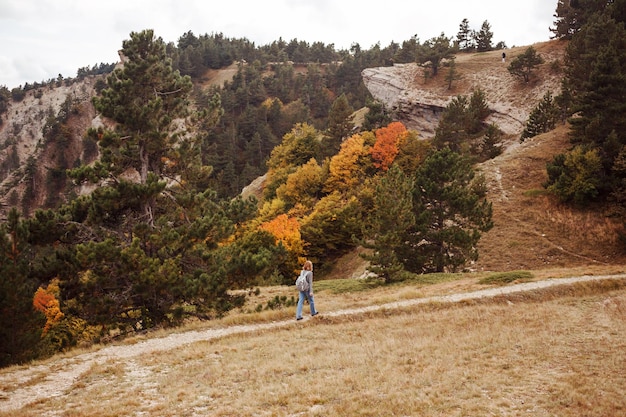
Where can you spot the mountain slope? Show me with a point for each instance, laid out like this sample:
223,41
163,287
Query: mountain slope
532,231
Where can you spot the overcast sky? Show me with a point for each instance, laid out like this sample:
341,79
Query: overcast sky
40,39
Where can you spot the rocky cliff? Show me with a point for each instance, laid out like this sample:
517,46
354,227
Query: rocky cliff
418,101
41,135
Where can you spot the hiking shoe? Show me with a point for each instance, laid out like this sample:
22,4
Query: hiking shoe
315,314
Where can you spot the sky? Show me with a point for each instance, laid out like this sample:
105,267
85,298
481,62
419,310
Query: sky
40,39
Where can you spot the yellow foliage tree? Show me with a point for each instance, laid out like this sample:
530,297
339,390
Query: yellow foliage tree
303,186
348,168
297,148
411,152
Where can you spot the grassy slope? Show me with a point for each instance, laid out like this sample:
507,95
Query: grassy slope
532,231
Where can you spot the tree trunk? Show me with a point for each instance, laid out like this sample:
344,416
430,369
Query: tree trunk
147,206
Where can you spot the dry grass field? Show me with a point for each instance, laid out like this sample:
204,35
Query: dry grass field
547,352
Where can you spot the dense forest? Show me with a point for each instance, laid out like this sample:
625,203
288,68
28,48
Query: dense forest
166,235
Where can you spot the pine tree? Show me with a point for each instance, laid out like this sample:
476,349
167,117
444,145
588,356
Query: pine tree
406,53
483,37
20,324
449,215
340,125
434,51
391,216
144,97
523,65
595,86
465,38
543,118
572,15
452,74
377,115
596,60
156,251
491,144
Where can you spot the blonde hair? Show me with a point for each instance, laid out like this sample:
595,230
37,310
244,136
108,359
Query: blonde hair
308,266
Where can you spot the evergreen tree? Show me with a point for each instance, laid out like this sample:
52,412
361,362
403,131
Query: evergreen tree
20,325
483,37
452,74
461,122
477,112
523,65
449,213
434,51
340,125
572,15
406,53
465,37
376,117
156,252
491,144
391,216
596,69
595,85
144,97
5,99
451,131
542,118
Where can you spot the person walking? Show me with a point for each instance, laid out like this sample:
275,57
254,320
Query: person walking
307,271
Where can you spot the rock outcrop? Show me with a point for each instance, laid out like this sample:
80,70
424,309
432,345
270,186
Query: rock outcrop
419,102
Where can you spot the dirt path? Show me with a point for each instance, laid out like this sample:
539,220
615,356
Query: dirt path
55,378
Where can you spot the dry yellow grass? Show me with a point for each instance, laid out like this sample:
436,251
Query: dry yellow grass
549,352
531,229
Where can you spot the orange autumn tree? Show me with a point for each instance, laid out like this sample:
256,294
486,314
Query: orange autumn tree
388,140
286,230
45,301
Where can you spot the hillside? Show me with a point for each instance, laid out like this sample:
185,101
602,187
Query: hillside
27,134
531,230
440,344
418,101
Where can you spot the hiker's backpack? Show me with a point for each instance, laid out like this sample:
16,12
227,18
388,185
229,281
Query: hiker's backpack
301,283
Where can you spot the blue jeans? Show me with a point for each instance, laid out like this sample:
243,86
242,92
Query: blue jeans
301,297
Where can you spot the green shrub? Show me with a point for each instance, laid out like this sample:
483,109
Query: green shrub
506,277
